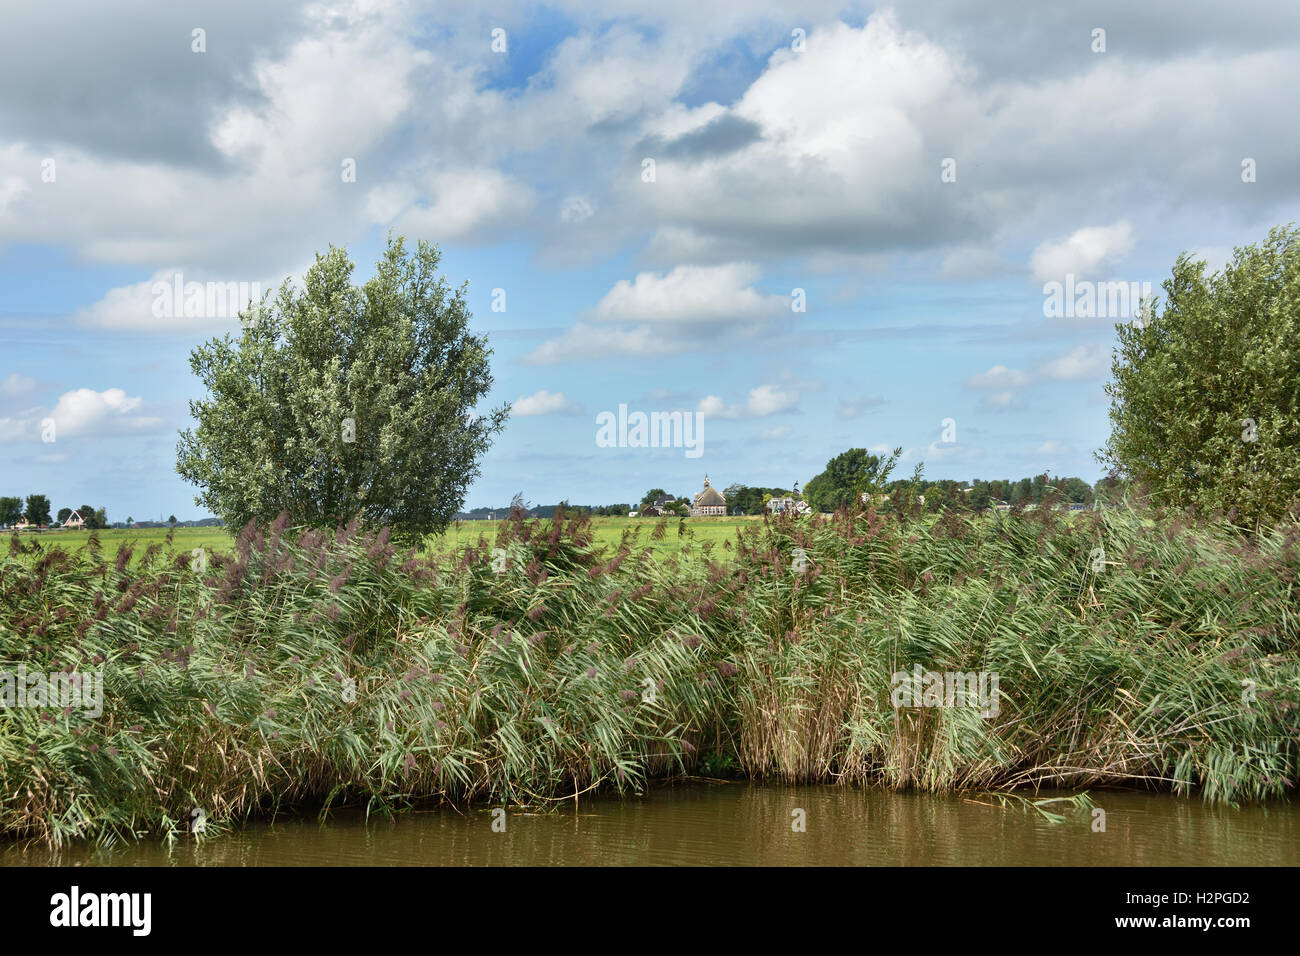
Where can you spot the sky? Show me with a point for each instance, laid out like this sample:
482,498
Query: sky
810,226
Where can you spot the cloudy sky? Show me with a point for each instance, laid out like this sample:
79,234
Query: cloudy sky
647,184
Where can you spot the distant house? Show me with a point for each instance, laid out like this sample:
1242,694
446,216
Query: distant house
74,520
22,523
662,502
709,502
792,502
650,512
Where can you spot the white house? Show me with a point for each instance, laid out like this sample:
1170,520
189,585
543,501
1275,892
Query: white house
74,520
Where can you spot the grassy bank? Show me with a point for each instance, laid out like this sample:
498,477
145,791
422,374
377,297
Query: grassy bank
304,670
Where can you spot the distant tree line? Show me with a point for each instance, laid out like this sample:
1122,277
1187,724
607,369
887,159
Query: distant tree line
852,477
36,509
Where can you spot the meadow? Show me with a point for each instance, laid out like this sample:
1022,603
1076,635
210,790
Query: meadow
607,532
304,670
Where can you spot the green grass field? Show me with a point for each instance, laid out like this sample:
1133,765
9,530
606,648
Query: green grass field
608,532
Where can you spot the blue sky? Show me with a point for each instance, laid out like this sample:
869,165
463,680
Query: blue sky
921,171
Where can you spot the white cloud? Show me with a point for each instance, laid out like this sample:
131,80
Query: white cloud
999,376
467,203
543,402
153,306
842,157
776,434
587,341
17,385
1080,364
83,413
270,184
691,294
761,402
1083,252
668,313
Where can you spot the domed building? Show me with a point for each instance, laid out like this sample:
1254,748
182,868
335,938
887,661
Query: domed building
708,502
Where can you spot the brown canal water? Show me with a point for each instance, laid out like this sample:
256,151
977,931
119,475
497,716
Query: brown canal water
746,824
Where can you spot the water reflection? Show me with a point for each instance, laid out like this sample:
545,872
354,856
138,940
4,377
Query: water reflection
745,824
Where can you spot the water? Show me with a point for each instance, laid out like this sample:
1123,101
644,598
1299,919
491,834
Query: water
745,824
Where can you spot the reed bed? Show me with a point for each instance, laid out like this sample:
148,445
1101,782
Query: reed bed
312,670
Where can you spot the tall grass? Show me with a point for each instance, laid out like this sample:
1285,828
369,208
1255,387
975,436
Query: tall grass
310,670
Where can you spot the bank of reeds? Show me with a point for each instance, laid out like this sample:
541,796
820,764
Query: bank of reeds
308,670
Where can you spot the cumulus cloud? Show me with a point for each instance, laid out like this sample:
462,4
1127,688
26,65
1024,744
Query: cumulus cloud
999,377
829,150
467,204
85,411
691,294
543,402
173,301
264,174
761,402
82,413
1080,364
669,313
1083,252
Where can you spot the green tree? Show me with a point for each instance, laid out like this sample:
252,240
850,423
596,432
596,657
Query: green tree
1076,490
848,476
62,516
171,520
11,509
38,509
342,402
1205,400
100,518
